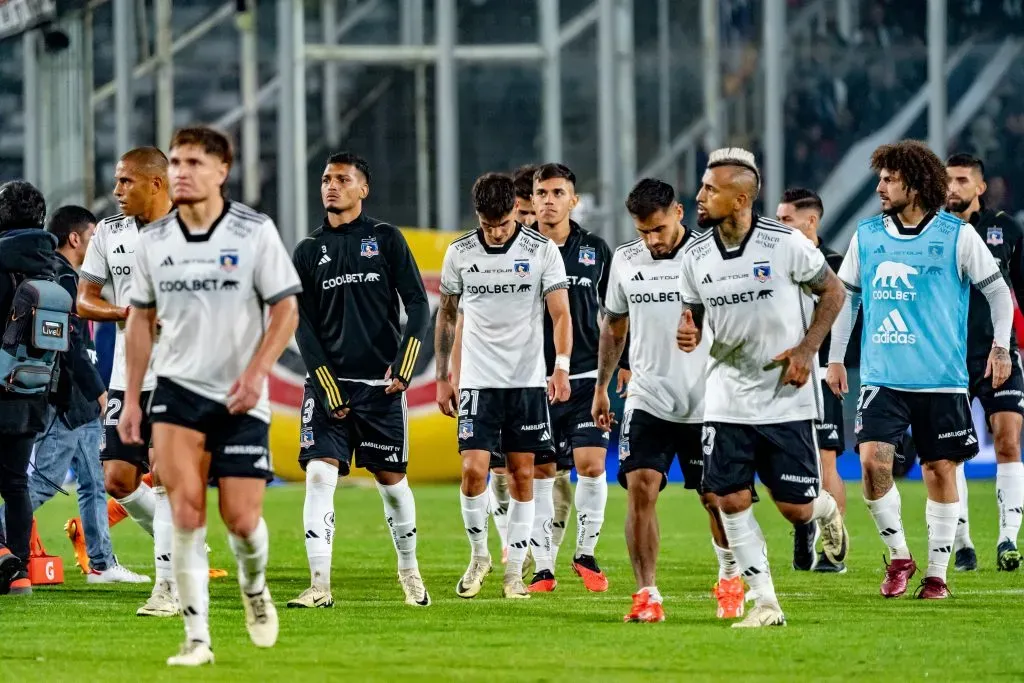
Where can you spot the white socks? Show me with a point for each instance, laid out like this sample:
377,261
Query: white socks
192,573
400,513
252,553
497,489
727,567
474,516
318,520
1010,494
824,507
751,553
963,525
563,504
591,499
163,535
520,521
942,520
140,505
543,513
886,511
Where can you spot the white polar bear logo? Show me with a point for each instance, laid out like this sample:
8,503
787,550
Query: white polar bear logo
891,274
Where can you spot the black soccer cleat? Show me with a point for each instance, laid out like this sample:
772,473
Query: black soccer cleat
805,538
1007,557
966,560
826,566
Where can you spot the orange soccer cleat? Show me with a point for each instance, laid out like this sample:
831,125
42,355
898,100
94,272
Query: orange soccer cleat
730,596
594,580
543,582
645,609
73,528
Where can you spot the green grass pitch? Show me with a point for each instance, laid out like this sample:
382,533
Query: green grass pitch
839,628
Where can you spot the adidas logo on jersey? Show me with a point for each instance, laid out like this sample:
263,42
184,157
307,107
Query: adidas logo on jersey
392,458
638,277
167,262
834,434
893,330
707,279
120,249
881,249
325,259
970,440
811,492
474,268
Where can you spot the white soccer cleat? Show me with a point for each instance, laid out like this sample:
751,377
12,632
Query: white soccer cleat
116,573
528,564
162,602
473,580
762,615
314,596
192,653
260,618
514,588
415,592
835,540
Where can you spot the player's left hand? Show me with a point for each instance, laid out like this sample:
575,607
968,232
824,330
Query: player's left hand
245,392
999,366
397,386
558,387
797,362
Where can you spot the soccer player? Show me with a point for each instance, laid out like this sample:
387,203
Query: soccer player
504,274
912,265
749,281
355,270
1003,407
217,277
142,192
665,405
578,441
802,209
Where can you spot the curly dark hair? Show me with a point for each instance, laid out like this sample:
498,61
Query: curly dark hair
919,167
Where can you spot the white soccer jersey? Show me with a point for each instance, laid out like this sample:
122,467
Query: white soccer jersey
756,307
666,382
502,292
109,261
210,291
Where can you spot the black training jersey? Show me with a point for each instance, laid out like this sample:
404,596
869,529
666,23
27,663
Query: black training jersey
352,279
587,261
834,259
1005,239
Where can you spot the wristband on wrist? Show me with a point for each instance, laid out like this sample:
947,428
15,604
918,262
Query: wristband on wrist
562,363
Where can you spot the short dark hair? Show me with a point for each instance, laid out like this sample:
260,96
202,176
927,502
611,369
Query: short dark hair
522,177
919,167
21,206
802,198
494,195
149,159
211,140
550,171
69,219
650,195
967,161
349,159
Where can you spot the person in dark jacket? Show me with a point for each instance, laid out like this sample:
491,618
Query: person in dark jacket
74,426
25,251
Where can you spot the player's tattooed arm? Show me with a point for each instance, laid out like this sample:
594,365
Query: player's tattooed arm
831,294
444,333
612,342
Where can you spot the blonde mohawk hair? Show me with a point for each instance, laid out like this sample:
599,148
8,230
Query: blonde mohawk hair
736,156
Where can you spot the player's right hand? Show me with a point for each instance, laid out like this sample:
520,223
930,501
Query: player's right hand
340,413
601,411
446,399
835,377
622,382
688,334
129,427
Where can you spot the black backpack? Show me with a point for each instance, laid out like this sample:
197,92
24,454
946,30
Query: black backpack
36,331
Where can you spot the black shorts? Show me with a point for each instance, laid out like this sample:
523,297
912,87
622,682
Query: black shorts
1009,398
111,448
648,442
573,426
942,423
375,430
238,444
783,455
506,421
830,430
